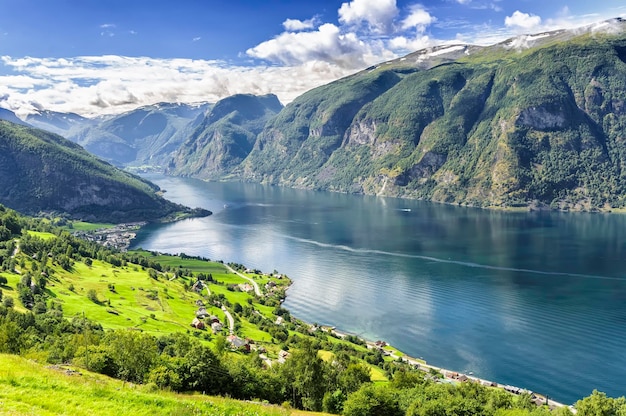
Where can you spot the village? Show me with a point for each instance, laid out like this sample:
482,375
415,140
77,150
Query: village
117,237
203,320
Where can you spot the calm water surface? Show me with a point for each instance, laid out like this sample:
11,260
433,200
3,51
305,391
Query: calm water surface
536,300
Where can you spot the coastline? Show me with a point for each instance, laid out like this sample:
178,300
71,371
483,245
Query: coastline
450,376
447,376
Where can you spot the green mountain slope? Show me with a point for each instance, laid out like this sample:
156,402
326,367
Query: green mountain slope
225,137
40,171
500,126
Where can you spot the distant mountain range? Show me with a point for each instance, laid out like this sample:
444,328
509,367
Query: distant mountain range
535,121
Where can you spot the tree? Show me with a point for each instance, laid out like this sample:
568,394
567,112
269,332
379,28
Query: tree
203,371
597,404
134,353
10,337
306,374
353,377
372,400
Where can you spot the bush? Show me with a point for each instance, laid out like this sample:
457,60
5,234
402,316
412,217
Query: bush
92,296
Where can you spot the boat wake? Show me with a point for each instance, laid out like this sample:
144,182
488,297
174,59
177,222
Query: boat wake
448,261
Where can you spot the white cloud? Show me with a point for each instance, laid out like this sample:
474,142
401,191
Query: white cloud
94,85
378,15
197,38
418,18
107,26
522,20
295,25
326,44
410,45
463,1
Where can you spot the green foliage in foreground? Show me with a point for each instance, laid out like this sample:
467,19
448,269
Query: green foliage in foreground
28,388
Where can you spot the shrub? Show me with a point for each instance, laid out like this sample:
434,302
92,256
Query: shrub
92,296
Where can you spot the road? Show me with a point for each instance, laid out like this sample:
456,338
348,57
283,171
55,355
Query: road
231,321
257,291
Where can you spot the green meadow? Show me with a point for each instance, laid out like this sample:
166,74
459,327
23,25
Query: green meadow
29,388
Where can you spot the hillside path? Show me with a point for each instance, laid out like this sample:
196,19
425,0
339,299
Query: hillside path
231,321
257,291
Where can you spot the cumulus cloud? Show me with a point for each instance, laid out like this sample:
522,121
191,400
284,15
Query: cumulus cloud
378,15
295,25
94,85
522,20
326,44
411,44
418,18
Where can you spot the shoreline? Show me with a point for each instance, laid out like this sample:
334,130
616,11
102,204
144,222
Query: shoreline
449,376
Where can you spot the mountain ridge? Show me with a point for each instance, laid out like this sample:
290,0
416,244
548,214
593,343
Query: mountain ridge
41,171
494,127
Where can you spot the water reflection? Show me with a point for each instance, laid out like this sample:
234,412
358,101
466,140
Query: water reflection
532,299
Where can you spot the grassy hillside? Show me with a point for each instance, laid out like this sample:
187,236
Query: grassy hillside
30,388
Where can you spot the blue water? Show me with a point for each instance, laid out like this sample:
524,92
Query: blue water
536,300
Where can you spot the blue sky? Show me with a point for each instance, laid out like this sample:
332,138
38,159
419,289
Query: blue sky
95,57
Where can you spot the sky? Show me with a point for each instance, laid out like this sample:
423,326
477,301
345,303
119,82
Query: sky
95,57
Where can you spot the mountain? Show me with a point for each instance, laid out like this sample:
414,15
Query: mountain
225,137
147,135
63,124
41,171
536,121
9,115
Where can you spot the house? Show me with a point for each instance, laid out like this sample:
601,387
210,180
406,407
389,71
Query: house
380,344
197,287
198,324
238,343
214,319
216,327
199,303
246,287
279,320
282,356
202,313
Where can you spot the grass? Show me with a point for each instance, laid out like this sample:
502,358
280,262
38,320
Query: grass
127,296
198,266
87,226
28,388
42,235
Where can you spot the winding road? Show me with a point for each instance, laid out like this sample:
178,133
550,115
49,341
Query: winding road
257,290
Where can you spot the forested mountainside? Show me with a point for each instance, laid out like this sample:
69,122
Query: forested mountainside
225,137
498,126
41,171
